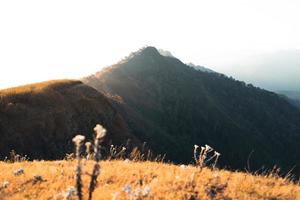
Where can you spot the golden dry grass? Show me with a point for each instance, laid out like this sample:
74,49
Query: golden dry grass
164,181
35,87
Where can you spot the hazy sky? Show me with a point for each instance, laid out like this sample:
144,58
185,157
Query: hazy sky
42,40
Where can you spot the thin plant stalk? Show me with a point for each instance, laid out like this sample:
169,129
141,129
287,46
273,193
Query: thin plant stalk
195,153
88,150
78,139
100,132
216,160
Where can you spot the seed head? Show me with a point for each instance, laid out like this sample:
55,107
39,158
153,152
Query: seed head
208,148
99,131
78,139
217,153
88,145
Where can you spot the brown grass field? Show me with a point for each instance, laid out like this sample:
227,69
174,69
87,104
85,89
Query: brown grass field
35,87
139,180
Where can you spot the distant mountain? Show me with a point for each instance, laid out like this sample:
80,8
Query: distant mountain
197,67
201,68
165,53
173,106
40,119
273,71
292,96
295,102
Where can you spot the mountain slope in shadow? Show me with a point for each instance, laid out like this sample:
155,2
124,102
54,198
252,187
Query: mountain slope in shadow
172,106
41,119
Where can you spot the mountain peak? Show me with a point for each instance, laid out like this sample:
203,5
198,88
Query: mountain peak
149,50
172,106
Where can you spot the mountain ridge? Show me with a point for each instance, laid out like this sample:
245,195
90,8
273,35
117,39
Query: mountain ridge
40,119
278,70
173,106
162,101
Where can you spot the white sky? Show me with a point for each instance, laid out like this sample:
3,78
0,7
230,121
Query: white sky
42,40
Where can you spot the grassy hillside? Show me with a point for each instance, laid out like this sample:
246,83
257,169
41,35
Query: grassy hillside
37,87
173,106
38,119
147,180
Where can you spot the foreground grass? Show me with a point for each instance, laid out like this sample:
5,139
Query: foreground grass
140,180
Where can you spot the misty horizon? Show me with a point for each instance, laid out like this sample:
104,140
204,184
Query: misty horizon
83,38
